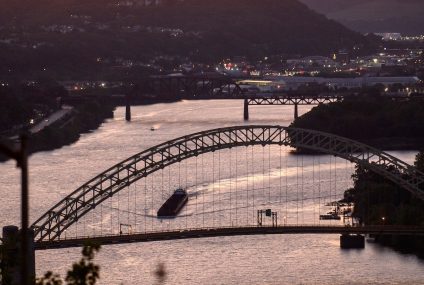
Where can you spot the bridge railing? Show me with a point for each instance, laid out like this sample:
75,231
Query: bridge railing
229,231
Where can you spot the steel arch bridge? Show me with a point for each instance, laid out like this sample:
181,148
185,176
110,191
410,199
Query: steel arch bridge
68,211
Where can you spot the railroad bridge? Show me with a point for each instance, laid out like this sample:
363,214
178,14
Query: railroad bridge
218,86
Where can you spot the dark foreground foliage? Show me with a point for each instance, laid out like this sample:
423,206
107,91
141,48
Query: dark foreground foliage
84,272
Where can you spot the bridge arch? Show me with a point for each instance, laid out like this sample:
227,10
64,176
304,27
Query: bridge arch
105,185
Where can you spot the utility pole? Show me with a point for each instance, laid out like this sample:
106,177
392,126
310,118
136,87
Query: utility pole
21,157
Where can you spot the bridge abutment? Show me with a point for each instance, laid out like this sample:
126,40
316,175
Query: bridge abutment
352,241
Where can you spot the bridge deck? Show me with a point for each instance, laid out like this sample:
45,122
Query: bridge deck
230,231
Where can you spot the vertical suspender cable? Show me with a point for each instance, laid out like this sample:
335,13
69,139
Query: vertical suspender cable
92,222
153,207
179,175
319,188
111,214
83,226
303,191
203,194
297,189
330,183
236,187
101,219
313,188
197,192
247,187
219,187
128,214
332,200
135,207
269,173
287,184
119,209
162,197
145,204
185,187
263,174
335,180
253,186
336,190
213,189
170,188
230,175
281,184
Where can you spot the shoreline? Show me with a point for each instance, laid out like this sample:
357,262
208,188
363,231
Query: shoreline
68,130
87,116
84,118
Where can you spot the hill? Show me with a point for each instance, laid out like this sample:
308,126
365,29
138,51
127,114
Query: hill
403,16
54,35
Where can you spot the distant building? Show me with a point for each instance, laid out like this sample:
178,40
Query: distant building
342,56
390,36
130,3
312,61
294,82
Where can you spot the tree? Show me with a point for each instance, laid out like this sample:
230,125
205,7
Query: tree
84,272
419,161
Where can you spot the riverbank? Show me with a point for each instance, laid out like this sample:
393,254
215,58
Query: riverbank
376,121
387,125
404,244
380,201
84,117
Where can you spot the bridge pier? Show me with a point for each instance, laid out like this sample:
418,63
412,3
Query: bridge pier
11,256
246,109
127,108
296,111
352,241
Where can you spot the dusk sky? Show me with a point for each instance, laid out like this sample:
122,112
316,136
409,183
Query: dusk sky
212,142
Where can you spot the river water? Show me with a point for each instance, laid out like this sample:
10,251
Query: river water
271,172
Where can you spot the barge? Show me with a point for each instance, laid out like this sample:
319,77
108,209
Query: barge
174,204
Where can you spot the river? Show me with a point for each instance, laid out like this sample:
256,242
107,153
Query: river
280,259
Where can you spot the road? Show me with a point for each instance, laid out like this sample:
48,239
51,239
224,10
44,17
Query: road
231,231
51,119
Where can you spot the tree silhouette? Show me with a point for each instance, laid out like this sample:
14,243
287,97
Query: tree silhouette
84,272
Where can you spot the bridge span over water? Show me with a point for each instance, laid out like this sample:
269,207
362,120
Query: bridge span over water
230,231
107,210
219,86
